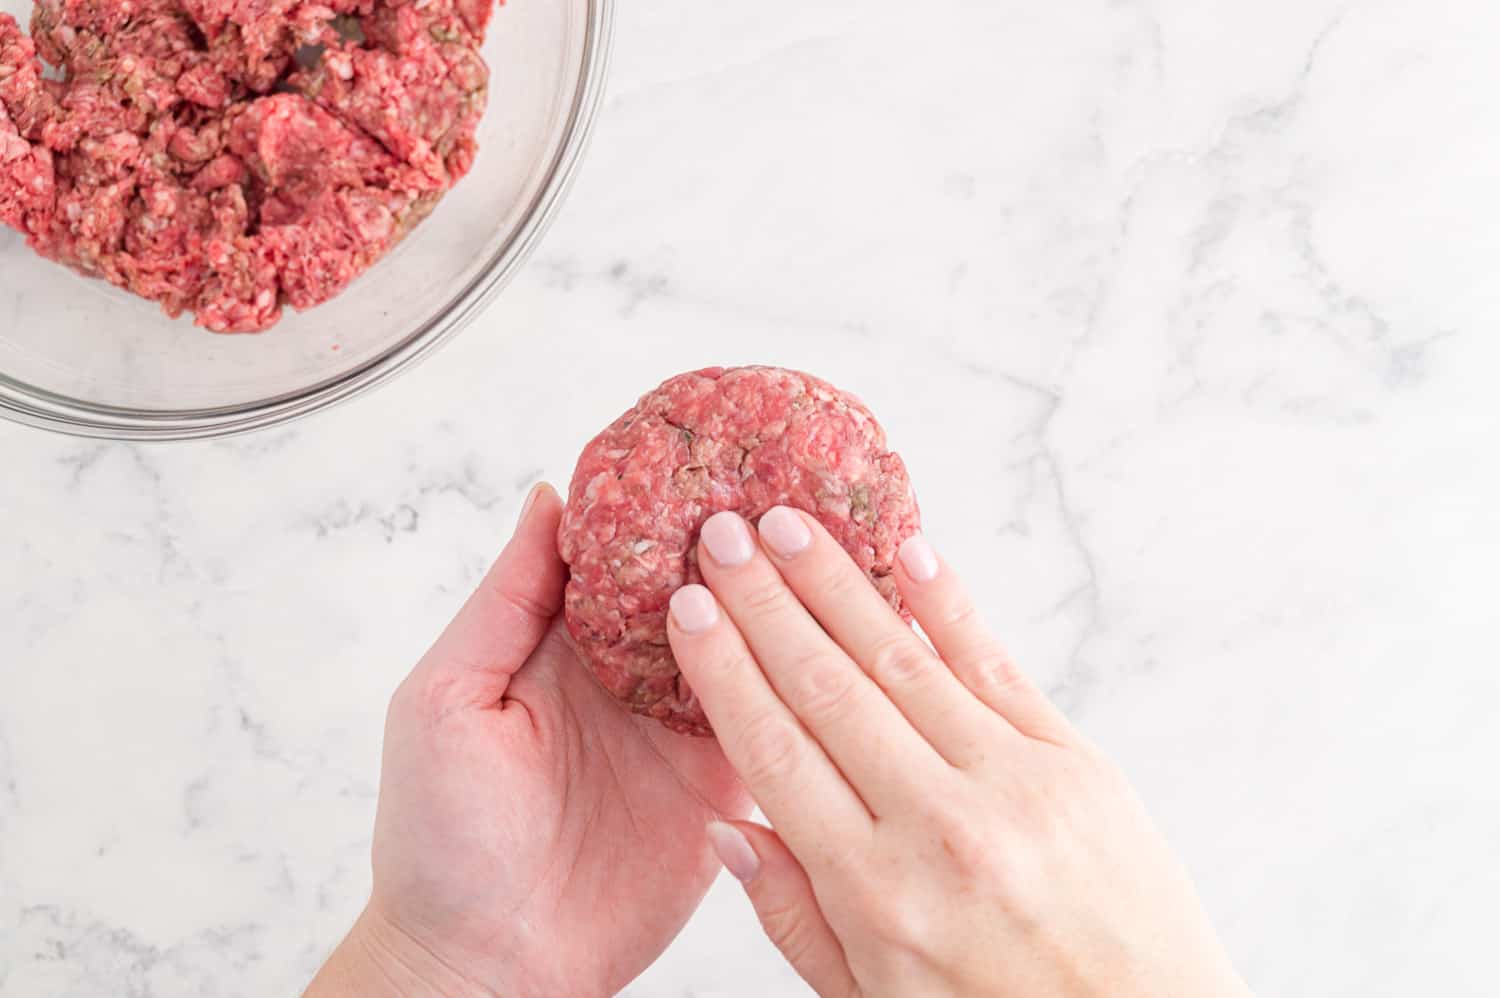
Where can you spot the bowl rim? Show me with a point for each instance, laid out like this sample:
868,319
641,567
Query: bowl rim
43,409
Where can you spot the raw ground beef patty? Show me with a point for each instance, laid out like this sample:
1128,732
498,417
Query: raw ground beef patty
231,157
744,439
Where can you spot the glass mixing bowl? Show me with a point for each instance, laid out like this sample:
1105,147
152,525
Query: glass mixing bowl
82,357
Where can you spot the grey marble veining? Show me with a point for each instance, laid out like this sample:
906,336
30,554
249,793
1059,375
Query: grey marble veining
1183,315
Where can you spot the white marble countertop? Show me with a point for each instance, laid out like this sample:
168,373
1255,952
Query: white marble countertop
1184,315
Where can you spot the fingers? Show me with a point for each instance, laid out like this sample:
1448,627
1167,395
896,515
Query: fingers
950,619
854,614
787,773
782,894
505,619
876,749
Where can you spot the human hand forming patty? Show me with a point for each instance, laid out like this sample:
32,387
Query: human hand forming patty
532,838
938,827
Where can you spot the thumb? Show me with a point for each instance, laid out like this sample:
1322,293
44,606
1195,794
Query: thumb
502,623
782,894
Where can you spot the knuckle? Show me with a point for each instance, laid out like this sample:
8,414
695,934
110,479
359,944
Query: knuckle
529,606
790,927
1021,885
901,661
839,580
714,658
1069,797
826,692
772,749
961,614
962,842
903,927
766,599
726,664
995,672
522,603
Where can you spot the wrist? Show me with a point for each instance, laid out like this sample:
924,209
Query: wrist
377,959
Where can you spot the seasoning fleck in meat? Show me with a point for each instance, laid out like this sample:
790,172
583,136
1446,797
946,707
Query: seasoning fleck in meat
232,157
743,439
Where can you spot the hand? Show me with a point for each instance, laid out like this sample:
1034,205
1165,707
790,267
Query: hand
533,837
940,828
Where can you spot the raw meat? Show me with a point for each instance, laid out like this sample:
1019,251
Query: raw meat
744,439
232,157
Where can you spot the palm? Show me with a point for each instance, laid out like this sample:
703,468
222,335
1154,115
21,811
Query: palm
583,852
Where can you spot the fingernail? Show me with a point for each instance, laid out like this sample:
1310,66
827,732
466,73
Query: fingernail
918,558
694,609
728,540
734,851
533,496
785,532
